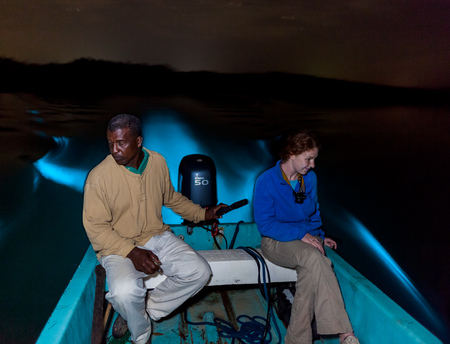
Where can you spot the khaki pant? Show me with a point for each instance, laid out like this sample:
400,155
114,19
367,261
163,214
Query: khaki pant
317,290
187,272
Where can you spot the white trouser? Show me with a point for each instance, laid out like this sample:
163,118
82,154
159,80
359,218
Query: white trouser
187,273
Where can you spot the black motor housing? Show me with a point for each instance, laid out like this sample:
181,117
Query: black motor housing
197,179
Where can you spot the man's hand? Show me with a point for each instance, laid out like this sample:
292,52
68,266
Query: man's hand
210,213
309,239
144,260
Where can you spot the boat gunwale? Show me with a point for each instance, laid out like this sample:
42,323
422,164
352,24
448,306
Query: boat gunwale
385,317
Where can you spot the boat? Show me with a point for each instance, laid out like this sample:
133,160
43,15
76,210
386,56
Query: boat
247,299
232,298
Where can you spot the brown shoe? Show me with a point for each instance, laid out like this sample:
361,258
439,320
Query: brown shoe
120,327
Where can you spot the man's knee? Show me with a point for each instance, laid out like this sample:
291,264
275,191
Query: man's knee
127,289
197,271
203,271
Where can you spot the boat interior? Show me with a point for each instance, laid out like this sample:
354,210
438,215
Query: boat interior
240,304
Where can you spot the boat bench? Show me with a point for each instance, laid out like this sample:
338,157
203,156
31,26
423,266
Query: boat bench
233,267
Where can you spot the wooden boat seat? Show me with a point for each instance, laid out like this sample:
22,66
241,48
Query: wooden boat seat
231,267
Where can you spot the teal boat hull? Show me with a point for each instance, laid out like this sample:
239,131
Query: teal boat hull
374,316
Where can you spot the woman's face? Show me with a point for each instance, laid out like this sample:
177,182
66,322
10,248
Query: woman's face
302,163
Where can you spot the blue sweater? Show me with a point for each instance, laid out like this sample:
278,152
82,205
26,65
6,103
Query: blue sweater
275,212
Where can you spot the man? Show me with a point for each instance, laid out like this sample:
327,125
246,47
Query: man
123,196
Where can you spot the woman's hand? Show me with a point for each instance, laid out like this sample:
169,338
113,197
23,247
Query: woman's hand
330,243
309,239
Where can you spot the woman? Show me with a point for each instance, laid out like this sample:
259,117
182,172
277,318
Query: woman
287,214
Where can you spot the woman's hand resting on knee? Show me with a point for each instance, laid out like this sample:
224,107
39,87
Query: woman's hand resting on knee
309,239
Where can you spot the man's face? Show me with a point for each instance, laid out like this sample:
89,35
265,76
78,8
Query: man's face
124,148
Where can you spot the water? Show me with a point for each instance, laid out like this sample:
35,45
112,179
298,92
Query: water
383,188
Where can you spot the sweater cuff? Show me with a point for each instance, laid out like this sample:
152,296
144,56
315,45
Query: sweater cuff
126,249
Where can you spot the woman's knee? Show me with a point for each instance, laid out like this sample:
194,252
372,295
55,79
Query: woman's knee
311,257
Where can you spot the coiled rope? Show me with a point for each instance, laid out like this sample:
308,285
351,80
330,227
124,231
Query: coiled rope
252,330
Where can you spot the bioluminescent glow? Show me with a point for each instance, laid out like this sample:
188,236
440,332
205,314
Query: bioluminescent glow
353,226
170,136
166,134
50,168
70,177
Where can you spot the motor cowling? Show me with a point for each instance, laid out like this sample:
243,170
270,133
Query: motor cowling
197,179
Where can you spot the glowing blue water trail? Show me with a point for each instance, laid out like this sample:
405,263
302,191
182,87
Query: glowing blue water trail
51,167
350,224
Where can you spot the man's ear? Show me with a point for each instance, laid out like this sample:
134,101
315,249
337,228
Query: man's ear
139,141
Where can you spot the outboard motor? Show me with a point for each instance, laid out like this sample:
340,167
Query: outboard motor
197,181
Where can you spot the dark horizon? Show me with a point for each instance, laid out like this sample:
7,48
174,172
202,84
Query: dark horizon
91,77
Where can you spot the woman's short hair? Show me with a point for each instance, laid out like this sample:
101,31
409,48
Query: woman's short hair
295,143
126,121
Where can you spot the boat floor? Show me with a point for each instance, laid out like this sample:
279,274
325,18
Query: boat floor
232,305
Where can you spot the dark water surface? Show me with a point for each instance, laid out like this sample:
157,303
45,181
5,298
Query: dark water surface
383,188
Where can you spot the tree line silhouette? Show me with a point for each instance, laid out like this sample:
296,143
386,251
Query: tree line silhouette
90,77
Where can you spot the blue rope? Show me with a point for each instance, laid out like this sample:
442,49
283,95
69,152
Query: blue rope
250,332
253,330
264,290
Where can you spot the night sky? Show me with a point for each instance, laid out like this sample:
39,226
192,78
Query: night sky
401,43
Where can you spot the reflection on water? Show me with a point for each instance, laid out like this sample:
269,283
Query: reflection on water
383,166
